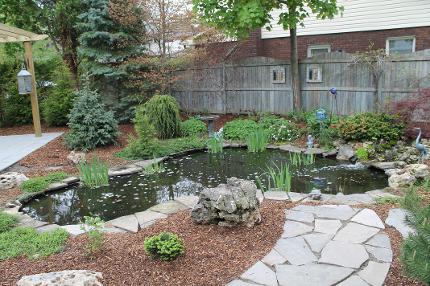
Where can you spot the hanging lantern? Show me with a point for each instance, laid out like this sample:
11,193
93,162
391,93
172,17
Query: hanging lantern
24,82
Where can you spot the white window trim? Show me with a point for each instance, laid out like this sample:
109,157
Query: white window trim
387,43
319,79
318,47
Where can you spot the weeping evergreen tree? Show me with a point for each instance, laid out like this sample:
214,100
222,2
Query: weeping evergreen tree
111,33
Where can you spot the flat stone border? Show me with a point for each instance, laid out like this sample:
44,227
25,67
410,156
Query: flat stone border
323,246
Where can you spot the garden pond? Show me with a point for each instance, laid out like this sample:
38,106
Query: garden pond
130,194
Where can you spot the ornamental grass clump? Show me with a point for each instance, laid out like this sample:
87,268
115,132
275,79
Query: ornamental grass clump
215,143
165,246
94,174
277,177
257,141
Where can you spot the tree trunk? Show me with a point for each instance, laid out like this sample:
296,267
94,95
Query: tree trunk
295,75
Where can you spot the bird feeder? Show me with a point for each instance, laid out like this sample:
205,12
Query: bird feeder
24,82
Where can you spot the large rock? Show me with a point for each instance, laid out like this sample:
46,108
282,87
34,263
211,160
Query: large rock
346,152
401,180
76,157
11,179
228,204
419,171
63,278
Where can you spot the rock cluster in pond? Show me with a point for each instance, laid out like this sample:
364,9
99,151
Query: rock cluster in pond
11,179
63,278
230,204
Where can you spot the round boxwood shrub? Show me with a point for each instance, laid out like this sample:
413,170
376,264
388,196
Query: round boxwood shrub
239,129
164,246
91,125
163,113
193,127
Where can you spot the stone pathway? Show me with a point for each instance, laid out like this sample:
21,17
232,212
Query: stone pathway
325,245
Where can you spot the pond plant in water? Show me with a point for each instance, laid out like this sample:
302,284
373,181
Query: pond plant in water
94,174
215,143
257,141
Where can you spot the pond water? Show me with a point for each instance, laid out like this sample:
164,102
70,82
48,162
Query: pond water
131,194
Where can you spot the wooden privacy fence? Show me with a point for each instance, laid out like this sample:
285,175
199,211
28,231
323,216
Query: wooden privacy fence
263,84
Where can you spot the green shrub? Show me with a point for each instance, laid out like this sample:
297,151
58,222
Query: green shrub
164,246
362,154
239,129
193,127
56,107
91,125
7,221
94,174
137,149
279,129
39,184
163,113
373,127
27,241
415,251
16,108
257,141
93,227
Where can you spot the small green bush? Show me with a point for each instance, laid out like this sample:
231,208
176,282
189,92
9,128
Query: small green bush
239,129
165,246
373,127
415,254
163,113
193,127
56,107
39,184
7,221
91,125
27,241
16,108
93,227
362,154
279,129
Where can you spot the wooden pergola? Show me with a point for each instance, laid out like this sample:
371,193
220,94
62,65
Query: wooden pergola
10,34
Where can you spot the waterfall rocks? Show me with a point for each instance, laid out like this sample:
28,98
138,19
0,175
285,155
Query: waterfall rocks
228,204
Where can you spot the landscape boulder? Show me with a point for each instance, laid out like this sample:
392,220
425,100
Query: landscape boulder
230,204
63,278
419,171
401,180
76,157
11,179
345,153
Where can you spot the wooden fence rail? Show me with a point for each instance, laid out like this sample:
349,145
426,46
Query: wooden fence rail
250,86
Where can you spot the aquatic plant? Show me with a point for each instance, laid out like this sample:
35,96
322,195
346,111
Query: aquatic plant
215,143
94,174
277,177
298,159
155,167
257,141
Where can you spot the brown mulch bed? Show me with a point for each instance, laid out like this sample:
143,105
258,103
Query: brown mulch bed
8,195
214,255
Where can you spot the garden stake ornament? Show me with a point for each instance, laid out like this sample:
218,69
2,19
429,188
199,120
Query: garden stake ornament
420,147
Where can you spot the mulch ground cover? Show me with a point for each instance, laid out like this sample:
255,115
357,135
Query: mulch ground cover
214,255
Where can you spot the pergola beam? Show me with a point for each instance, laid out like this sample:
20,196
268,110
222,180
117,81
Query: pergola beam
10,34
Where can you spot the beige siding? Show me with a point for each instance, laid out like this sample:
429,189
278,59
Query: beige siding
363,15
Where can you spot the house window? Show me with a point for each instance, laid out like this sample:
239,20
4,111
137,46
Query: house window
318,50
314,73
401,45
278,75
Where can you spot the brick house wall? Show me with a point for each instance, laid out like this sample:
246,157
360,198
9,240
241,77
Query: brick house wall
279,48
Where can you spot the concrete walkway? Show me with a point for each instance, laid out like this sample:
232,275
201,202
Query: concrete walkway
324,246
15,147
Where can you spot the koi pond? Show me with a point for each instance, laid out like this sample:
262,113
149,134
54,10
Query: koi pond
187,175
